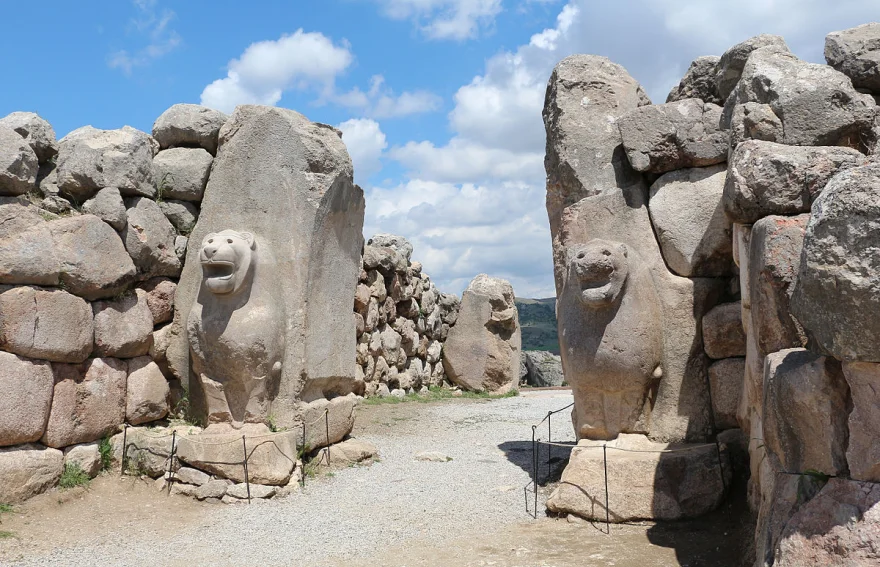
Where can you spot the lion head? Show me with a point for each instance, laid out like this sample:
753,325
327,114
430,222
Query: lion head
226,258
599,268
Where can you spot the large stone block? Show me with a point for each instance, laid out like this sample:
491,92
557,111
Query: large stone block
88,402
17,214
543,369
189,125
108,206
765,178
18,163
147,392
28,470
664,137
90,159
93,261
731,64
149,238
694,233
855,52
26,387
863,451
45,323
774,260
838,284
726,383
267,306
182,173
815,104
646,480
784,494
699,81
38,133
123,326
87,456
481,353
839,527
723,332
805,412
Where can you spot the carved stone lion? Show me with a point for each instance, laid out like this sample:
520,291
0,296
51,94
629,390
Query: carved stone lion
235,333
610,337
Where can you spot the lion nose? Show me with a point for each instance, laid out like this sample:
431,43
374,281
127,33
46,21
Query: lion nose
210,251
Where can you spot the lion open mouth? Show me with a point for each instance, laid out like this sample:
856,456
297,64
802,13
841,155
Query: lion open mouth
219,270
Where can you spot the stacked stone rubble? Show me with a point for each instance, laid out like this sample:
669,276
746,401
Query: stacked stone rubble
93,234
402,321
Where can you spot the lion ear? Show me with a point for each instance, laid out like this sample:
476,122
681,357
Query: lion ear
249,238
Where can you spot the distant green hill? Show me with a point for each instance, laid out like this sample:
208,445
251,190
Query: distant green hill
537,317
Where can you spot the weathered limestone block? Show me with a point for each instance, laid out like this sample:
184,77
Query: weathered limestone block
17,214
863,451
784,495
726,383
393,241
695,235
108,206
805,412
699,81
188,475
838,284
765,178
267,305
88,402
730,67
93,261
586,94
219,451
160,298
18,163
644,485
636,346
149,238
181,214
147,392
840,526
774,260
87,456
38,133
543,369
182,173
45,323
123,326
664,137
27,396
28,470
855,52
28,256
482,351
816,104
148,448
189,125
386,259
754,121
723,332
90,159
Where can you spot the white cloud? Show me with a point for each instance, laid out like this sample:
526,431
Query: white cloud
380,101
302,60
153,26
445,19
366,143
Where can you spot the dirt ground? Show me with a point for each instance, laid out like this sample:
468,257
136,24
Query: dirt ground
112,506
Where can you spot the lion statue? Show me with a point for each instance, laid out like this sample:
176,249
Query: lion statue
235,336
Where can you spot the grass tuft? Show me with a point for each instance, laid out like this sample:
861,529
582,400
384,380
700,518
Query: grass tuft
105,449
73,476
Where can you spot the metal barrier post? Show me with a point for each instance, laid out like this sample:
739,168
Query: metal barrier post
171,460
720,464
535,470
607,512
246,478
302,471
124,448
327,425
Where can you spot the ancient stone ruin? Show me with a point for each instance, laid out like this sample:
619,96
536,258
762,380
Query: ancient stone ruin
717,269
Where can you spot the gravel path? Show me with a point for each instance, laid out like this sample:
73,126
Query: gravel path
360,510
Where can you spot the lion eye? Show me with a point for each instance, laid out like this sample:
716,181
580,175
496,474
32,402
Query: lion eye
210,241
581,256
229,240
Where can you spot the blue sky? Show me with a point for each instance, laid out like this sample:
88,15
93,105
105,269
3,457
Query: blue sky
439,100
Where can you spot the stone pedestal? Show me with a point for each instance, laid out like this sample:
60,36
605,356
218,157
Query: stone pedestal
646,480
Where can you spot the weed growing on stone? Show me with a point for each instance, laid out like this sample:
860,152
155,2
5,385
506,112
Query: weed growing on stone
105,449
5,508
73,476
